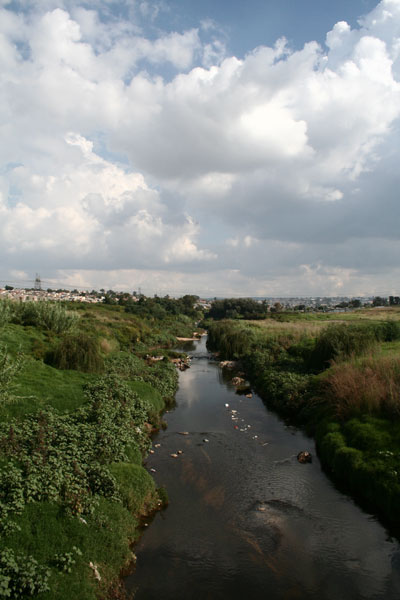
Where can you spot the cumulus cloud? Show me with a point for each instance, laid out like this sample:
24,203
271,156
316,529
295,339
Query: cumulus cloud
275,167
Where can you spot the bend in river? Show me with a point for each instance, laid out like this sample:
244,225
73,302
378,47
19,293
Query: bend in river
246,519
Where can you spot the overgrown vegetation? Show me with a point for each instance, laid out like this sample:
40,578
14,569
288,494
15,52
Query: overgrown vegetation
341,382
77,400
237,308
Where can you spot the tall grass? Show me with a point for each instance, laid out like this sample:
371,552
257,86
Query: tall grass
77,351
9,368
5,311
52,316
370,385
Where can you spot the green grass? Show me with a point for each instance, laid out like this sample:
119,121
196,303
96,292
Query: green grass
76,453
136,487
148,393
40,385
105,541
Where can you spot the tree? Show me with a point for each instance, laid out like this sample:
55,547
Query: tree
355,303
378,301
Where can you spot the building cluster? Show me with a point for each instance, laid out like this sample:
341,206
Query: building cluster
64,295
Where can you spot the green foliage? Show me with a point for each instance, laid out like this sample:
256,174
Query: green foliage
339,342
368,435
65,561
9,368
52,316
68,476
62,457
230,338
5,312
284,389
136,486
77,351
160,308
387,331
21,576
237,308
163,377
125,365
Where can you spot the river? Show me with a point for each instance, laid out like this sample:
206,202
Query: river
246,520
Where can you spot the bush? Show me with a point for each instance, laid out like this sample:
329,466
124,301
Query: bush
79,351
341,341
9,368
5,312
366,436
21,576
284,389
52,316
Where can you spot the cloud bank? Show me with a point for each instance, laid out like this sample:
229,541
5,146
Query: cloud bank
157,160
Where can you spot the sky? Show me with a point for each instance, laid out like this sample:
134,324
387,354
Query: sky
221,147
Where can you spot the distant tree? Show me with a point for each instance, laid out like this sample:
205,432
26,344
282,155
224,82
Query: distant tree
277,307
355,303
300,307
109,299
394,300
9,288
378,301
237,308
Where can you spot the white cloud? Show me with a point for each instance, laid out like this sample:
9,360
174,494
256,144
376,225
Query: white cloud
105,151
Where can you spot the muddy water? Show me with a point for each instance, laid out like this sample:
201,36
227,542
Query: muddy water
246,520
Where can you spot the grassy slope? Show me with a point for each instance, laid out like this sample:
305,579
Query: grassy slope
46,530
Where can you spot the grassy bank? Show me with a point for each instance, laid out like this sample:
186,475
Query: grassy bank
78,399
340,380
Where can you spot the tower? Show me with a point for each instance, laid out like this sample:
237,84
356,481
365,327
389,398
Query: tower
38,283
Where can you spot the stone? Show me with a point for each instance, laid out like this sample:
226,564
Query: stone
304,457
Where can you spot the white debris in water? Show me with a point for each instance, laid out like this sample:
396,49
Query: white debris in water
153,470
206,440
227,405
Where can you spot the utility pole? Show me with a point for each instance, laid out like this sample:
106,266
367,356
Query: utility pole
38,283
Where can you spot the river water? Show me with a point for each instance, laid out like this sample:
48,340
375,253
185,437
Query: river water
246,520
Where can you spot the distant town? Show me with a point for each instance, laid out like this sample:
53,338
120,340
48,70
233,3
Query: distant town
274,304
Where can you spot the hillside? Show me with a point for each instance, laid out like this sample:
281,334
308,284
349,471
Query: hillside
79,396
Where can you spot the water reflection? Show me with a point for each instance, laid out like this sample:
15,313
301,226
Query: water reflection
245,519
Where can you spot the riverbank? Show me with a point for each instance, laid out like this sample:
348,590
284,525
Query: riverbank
79,401
351,407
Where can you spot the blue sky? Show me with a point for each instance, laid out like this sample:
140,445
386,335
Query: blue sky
186,146
262,22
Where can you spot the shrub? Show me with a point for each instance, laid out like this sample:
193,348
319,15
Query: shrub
284,389
5,312
78,351
52,316
340,341
21,576
366,436
9,368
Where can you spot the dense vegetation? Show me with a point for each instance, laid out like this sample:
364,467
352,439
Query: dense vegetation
341,382
78,399
237,308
